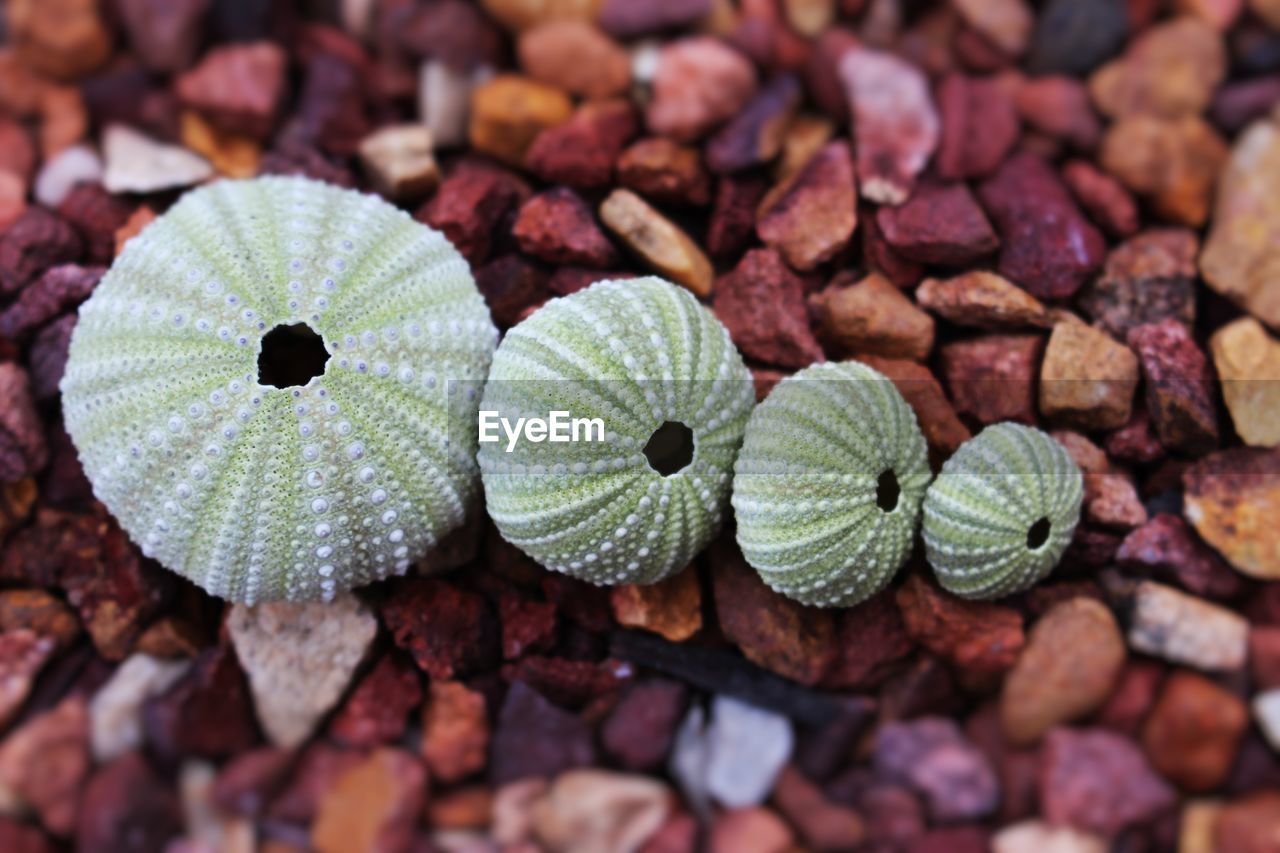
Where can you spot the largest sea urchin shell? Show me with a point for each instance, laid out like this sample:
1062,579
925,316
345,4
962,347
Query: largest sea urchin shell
1001,512
636,354
262,493
828,485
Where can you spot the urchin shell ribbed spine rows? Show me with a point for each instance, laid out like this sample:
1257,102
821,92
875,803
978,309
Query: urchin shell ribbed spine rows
261,493
636,354
807,479
980,511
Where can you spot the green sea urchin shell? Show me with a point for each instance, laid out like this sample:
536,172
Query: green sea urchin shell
636,354
257,492
1001,512
815,504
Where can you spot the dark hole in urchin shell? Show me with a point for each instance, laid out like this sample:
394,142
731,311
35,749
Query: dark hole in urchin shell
1038,533
670,448
888,491
291,356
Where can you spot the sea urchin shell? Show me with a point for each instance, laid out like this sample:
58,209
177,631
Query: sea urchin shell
1001,512
257,492
828,485
655,367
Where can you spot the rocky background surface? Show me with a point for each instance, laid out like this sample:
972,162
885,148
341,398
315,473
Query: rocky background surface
1065,213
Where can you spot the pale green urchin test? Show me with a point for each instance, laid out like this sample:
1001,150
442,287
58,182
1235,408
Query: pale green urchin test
828,485
345,472
662,376
1001,512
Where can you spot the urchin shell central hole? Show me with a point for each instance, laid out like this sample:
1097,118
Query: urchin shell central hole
670,448
1038,533
291,355
887,490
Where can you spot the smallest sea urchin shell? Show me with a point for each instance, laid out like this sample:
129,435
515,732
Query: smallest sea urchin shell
828,485
1002,511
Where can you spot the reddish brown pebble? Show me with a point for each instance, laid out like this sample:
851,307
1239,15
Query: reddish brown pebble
671,608
762,304
509,111
873,317
448,630
980,638
665,171
982,299
774,632
940,224
373,806
23,449
1250,824
1173,162
822,72
1059,107
164,33
239,88
61,287
1193,733
1166,547
810,217
36,241
1178,386
884,259
1236,104
699,83
1073,658
455,731
639,731
44,762
535,738
1232,498
943,430
755,135
992,378
208,712
979,126
23,653
127,799
1147,279
1104,198
580,152
1046,244
64,39
528,625
823,824
378,708
733,216
576,57
471,203
40,612
557,226
512,286
896,127
750,830
1099,781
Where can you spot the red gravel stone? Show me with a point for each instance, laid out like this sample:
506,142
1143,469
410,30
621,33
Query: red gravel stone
448,630
19,837
61,287
822,72
1047,245
942,429
1264,656
1179,386
164,33
455,731
208,712
627,20
512,286
246,784
535,738
527,625
733,216
665,172
979,126
882,257
48,357
992,378
1193,733
982,639
639,730
378,708
558,227
580,153
1103,197
332,109
1167,547
240,88
1148,278
810,217
126,799
934,757
471,204
97,215
23,450
317,769
1250,824
38,240
871,640
754,136
1098,781
23,653
940,224
1059,107
762,304
699,83
1132,697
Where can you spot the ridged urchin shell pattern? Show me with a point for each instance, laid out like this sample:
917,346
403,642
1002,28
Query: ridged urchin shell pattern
807,483
636,354
260,493
980,511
